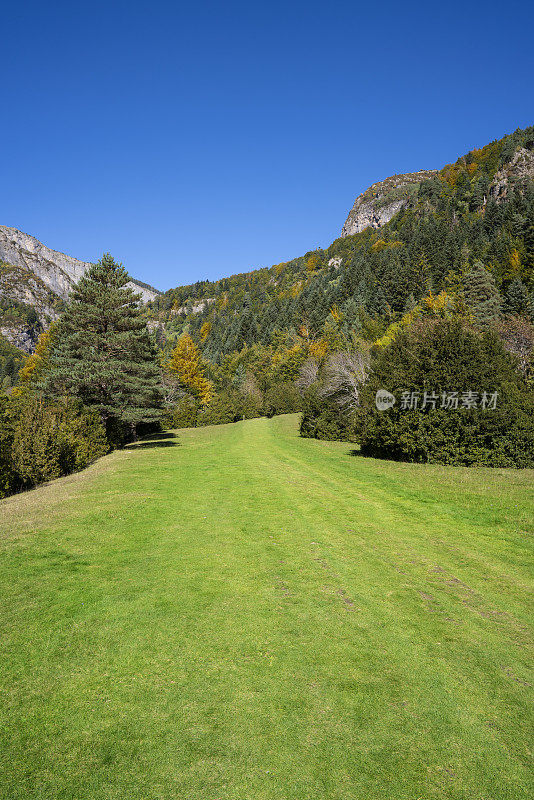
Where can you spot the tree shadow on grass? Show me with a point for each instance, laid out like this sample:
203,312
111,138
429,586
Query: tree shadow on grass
161,435
155,440
357,452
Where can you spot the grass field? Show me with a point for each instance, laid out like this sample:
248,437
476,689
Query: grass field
235,613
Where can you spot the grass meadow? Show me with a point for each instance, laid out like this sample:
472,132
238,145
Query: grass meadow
235,613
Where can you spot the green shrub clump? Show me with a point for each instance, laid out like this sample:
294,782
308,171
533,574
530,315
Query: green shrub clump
322,419
447,356
42,440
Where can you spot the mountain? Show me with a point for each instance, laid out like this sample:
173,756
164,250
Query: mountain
34,277
405,236
381,201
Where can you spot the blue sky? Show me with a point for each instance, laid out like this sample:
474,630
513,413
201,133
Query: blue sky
198,140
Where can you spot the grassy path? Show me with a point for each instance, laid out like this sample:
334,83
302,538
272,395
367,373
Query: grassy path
239,614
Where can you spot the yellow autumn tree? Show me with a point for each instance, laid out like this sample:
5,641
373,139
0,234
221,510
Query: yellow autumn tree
515,262
313,263
318,349
35,365
186,364
442,305
337,316
205,331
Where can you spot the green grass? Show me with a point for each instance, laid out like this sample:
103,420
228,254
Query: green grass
247,615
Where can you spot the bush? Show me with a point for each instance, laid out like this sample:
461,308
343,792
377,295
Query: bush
42,440
282,398
224,407
250,406
321,419
183,415
446,356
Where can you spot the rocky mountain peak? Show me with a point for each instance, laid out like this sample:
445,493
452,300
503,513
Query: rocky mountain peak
381,201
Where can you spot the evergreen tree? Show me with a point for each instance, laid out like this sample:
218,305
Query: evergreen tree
517,297
482,295
103,352
379,304
410,303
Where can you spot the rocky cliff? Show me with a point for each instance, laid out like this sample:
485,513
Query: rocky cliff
520,168
57,271
381,201
32,276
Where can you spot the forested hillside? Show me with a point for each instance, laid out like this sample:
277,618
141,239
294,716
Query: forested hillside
479,209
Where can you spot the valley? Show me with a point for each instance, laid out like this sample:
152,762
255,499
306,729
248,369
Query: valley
233,611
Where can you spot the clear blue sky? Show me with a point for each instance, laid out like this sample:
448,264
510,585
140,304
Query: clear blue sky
199,140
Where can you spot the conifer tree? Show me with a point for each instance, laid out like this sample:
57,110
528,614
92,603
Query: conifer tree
482,295
517,297
103,353
186,364
410,303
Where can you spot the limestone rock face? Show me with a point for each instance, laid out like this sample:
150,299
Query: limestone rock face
520,168
24,286
57,271
381,201
20,336
195,307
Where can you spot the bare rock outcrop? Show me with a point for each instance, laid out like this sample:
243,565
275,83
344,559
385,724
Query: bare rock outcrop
19,335
519,169
57,271
381,201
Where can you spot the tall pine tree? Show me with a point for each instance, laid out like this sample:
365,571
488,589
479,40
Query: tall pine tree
104,354
482,295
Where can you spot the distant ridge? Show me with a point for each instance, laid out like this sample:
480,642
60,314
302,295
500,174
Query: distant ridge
58,271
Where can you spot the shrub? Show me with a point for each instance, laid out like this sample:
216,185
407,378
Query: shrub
43,440
224,407
282,398
184,414
447,356
322,419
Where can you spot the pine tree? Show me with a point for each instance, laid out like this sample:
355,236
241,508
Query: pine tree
186,364
103,353
410,303
380,305
482,295
517,297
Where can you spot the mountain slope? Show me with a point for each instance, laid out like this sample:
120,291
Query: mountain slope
479,208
